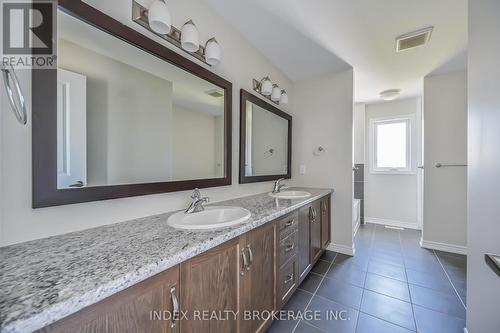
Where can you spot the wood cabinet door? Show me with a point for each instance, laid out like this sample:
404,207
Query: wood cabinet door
144,307
304,254
315,222
209,287
258,284
325,222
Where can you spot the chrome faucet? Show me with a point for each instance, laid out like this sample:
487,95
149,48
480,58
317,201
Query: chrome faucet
197,202
278,186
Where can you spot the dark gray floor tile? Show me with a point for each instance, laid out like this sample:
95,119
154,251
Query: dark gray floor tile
453,262
307,328
391,271
341,292
298,301
347,273
438,301
435,280
311,282
387,286
282,326
333,317
359,260
429,321
388,308
321,267
424,265
369,324
328,256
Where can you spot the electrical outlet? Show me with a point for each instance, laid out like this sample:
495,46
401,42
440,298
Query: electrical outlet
302,169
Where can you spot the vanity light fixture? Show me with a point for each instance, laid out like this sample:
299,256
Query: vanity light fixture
159,17
276,94
284,97
270,91
190,40
212,52
158,20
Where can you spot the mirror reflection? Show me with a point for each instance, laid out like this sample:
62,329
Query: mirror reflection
266,142
125,116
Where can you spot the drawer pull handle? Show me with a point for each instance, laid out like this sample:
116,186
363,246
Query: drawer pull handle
289,223
288,279
250,256
245,262
289,247
175,308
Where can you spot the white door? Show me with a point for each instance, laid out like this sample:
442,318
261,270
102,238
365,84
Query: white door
445,144
71,129
483,282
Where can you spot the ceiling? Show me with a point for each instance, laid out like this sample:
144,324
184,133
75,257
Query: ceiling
307,39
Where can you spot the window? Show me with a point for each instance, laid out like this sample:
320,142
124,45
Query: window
391,145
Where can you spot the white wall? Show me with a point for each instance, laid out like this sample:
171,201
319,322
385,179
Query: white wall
445,189
483,227
359,133
392,198
241,62
323,117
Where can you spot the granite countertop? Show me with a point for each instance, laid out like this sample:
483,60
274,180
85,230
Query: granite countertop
44,280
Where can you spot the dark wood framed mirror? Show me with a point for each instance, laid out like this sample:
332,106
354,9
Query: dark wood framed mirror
265,140
123,115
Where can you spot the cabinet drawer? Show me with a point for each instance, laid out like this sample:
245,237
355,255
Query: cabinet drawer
287,279
288,248
288,224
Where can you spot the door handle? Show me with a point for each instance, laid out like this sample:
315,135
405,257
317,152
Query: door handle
494,262
78,183
290,247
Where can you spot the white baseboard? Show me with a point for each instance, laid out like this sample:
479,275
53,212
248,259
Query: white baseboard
348,250
392,223
459,249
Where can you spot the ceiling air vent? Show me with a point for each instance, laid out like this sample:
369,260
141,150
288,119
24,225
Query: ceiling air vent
214,93
413,39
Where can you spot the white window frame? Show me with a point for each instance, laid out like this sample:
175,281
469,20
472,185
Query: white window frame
410,141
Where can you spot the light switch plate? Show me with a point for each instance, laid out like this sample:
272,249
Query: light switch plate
302,169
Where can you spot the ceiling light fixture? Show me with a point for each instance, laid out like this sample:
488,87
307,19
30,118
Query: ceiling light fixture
391,94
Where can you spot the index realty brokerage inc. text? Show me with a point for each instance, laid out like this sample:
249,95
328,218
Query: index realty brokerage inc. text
207,315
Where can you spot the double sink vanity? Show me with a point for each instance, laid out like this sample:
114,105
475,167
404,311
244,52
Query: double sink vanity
131,276
106,126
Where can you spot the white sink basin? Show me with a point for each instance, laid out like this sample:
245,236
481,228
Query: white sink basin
210,218
289,194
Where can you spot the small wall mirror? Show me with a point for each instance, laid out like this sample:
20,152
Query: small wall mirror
125,116
265,140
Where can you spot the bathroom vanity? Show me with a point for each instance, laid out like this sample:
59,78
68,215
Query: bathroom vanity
111,278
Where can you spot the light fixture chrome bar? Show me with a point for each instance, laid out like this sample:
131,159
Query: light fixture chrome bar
443,165
140,16
15,94
256,87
